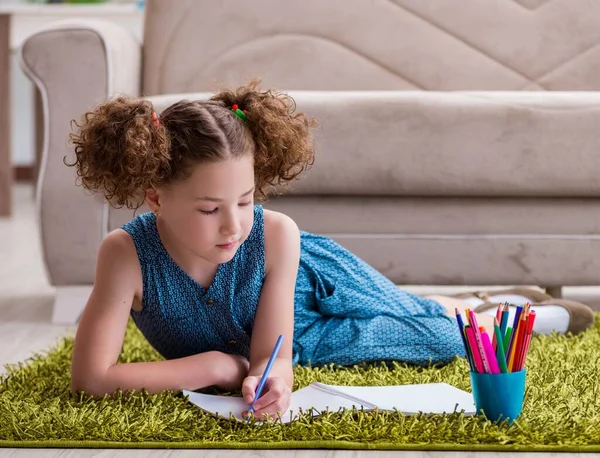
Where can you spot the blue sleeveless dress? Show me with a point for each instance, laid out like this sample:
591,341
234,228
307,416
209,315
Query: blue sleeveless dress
345,311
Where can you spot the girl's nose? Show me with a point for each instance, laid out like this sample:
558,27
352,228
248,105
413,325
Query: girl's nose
230,226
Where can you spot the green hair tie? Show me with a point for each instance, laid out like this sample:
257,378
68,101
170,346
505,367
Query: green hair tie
239,113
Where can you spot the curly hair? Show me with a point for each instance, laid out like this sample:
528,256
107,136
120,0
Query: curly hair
121,150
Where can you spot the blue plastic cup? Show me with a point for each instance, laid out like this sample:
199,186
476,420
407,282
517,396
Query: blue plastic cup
499,396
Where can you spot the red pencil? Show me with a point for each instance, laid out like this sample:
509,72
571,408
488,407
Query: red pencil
477,333
474,350
523,343
528,335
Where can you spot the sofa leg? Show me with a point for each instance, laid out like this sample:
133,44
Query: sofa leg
554,291
69,303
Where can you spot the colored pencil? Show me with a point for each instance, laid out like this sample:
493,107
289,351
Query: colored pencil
514,330
475,327
461,329
500,349
498,315
521,340
527,342
476,356
489,352
504,322
507,338
516,345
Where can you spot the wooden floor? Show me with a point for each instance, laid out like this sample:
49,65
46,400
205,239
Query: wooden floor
25,310
79,453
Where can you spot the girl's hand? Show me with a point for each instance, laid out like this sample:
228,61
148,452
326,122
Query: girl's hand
275,397
231,371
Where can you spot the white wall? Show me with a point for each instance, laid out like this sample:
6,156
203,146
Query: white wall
22,119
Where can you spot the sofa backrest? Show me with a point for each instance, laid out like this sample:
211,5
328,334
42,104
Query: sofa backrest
372,44
502,145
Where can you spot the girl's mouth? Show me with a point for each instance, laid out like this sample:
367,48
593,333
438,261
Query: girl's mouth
227,246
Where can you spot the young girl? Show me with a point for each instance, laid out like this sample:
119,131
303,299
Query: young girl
211,279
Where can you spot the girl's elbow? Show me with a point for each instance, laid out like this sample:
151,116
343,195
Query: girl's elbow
90,386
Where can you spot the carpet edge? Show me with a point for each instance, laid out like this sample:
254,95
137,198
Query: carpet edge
326,444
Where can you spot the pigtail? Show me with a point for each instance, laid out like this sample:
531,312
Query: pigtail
284,145
121,150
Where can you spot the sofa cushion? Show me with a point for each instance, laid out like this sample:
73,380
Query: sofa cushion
450,143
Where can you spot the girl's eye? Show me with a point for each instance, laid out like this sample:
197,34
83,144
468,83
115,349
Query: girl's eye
212,212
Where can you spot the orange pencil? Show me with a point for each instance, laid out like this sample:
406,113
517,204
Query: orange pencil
515,350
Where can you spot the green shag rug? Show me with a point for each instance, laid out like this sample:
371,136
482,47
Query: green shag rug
561,411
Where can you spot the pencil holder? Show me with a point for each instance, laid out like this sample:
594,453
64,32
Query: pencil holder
499,396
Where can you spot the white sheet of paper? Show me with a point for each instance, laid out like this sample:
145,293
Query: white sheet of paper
305,399
435,398
218,405
312,397
409,399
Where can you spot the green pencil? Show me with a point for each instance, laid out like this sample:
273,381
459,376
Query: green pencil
500,348
507,337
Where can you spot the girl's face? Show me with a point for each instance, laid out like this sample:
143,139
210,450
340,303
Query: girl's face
211,213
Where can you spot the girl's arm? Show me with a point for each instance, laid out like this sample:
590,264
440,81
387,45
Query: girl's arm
102,327
275,313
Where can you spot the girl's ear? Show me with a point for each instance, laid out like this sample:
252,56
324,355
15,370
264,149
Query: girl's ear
153,200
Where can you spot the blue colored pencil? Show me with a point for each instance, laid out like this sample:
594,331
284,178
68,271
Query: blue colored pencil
265,375
461,329
504,320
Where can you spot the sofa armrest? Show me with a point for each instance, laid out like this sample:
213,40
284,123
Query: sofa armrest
76,65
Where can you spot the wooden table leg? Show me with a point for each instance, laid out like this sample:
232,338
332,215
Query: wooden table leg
6,172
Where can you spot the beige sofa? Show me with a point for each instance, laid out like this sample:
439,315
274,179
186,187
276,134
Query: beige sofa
432,163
